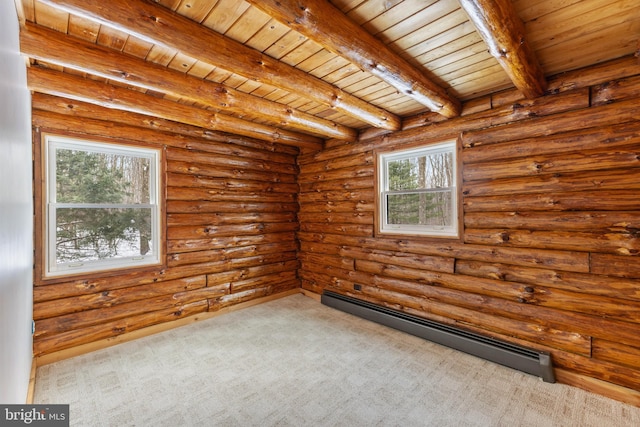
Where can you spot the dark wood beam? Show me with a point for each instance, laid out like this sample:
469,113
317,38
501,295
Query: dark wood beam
504,33
57,48
66,85
322,22
159,25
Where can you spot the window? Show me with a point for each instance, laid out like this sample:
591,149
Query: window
417,191
102,208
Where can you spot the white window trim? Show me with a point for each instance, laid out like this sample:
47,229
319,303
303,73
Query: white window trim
52,268
383,189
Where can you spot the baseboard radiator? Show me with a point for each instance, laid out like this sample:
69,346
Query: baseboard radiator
524,359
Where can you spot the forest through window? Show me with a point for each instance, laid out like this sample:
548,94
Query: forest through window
102,205
418,191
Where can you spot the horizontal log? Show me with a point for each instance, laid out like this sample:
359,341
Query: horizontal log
313,247
614,265
76,337
615,69
224,195
616,242
349,162
336,217
313,287
399,259
241,158
335,272
248,295
184,258
518,112
616,90
363,196
194,245
526,329
317,280
612,373
560,260
472,106
227,277
611,200
328,207
616,353
578,324
201,170
66,287
423,276
594,385
607,115
335,149
169,132
200,206
274,280
85,319
576,282
118,132
199,232
93,285
353,230
342,262
557,182
177,219
197,139
196,181
338,185
91,91
592,160
108,298
618,135
218,266
555,221
601,306
338,174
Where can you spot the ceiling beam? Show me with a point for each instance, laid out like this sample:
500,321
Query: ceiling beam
180,132
159,25
60,49
94,92
325,24
504,33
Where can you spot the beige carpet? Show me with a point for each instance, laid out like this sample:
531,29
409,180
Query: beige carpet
295,362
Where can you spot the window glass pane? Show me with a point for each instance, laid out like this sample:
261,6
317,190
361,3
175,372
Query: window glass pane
97,177
428,208
433,170
90,234
436,170
403,175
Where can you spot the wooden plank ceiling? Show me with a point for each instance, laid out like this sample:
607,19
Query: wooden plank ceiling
299,72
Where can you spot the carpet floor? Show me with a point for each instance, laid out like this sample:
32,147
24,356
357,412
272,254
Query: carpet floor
295,362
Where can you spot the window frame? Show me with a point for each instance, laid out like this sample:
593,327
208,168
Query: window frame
49,269
383,157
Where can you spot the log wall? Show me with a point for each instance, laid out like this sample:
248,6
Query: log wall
550,251
231,218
